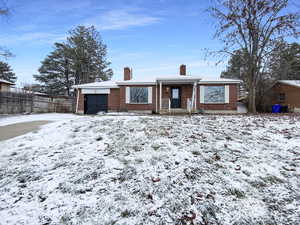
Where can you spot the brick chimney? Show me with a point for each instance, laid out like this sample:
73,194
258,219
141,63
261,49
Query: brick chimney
182,70
127,73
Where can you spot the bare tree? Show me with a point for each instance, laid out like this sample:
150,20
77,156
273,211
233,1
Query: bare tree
254,26
4,11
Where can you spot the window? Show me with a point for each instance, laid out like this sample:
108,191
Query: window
138,95
175,93
214,94
281,97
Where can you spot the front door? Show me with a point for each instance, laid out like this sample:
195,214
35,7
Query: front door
175,97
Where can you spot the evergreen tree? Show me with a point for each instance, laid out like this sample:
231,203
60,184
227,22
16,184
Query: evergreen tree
88,54
6,72
55,72
284,63
236,66
82,59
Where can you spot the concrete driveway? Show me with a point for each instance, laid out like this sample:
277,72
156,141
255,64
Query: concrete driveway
17,129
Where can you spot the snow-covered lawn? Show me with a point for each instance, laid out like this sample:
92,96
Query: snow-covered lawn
154,170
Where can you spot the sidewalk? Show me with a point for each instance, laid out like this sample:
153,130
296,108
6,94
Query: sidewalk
17,129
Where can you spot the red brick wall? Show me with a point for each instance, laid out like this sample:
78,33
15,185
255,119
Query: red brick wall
114,99
232,105
127,107
292,95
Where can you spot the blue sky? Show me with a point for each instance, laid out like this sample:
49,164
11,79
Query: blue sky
152,36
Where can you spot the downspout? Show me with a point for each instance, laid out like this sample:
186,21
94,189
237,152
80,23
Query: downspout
77,101
156,97
193,98
160,95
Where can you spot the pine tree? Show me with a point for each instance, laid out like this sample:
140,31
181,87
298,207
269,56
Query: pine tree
88,54
55,72
236,66
284,63
6,72
82,59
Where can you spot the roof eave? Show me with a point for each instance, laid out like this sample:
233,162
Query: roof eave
219,82
286,83
122,83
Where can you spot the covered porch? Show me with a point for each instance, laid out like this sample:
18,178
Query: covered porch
176,95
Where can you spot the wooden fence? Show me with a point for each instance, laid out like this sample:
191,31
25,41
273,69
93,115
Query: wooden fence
14,103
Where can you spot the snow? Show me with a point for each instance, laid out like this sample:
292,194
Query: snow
7,120
5,81
295,83
219,81
118,169
101,84
152,81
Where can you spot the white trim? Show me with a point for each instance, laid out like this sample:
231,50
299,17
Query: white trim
202,94
226,93
95,91
134,83
219,82
149,95
127,95
77,101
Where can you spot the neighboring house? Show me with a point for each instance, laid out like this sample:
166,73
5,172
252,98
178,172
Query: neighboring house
167,94
287,93
5,85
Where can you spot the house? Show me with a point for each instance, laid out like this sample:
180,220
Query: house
166,94
287,94
5,85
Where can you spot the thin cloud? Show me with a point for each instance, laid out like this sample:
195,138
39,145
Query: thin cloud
37,37
120,19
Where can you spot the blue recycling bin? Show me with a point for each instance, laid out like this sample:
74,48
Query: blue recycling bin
276,108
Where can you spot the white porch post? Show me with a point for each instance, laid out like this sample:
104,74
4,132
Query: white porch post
160,95
77,100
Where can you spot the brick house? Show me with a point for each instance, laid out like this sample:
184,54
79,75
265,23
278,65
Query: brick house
287,93
167,94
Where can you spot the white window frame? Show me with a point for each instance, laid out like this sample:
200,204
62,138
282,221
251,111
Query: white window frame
226,95
127,97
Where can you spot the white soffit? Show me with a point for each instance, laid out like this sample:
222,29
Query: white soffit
95,91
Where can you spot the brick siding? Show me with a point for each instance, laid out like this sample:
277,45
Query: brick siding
114,99
292,95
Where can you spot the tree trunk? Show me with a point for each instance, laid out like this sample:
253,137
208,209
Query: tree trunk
252,99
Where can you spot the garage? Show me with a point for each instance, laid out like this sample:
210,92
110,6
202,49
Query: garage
95,103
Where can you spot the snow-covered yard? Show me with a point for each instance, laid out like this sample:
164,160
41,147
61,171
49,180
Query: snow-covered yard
153,170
